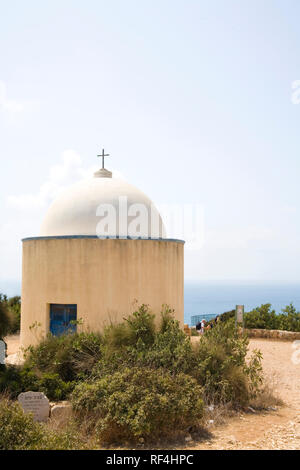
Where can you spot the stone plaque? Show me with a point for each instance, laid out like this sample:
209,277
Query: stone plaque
2,351
239,314
36,403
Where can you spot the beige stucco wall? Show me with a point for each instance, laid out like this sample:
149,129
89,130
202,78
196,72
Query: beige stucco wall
103,277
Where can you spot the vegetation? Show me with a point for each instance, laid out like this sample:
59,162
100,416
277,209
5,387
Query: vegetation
139,403
264,317
140,381
227,315
17,379
10,314
14,309
71,357
4,317
221,367
20,432
54,366
261,317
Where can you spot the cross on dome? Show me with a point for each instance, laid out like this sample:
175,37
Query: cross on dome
103,172
103,154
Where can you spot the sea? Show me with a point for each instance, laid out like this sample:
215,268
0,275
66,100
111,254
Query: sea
211,297
216,297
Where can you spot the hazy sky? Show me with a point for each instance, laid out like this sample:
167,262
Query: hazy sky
192,99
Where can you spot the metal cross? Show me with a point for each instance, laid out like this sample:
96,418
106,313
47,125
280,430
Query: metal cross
103,155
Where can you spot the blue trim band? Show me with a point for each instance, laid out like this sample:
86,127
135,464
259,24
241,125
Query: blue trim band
59,237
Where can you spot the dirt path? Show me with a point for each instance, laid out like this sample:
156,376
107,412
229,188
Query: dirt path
13,344
273,430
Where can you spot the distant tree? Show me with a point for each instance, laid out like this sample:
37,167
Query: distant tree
227,315
4,316
14,308
223,317
262,317
289,319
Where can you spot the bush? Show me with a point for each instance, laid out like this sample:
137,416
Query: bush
138,379
139,402
10,315
4,317
171,349
53,366
54,387
15,379
265,318
221,368
14,309
261,317
168,347
71,357
11,381
20,432
139,326
289,319
227,315
217,366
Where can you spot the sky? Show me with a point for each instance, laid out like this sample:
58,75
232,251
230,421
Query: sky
196,101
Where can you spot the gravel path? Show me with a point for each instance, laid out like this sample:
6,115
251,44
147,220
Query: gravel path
273,430
13,344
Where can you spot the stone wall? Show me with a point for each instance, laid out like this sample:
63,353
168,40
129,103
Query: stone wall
273,334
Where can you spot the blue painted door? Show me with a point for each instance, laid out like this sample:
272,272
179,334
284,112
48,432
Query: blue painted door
62,318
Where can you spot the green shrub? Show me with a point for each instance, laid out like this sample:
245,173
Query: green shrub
10,315
221,367
14,309
139,402
20,432
261,317
53,366
125,345
4,317
265,318
171,349
227,315
138,379
16,379
217,362
289,319
139,326
54,387
71,356
194,332
11,381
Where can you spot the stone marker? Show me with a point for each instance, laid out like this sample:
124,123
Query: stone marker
239,315
37,403
2,351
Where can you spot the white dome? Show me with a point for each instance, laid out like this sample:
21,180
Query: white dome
97,207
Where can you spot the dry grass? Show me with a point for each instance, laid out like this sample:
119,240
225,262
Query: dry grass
268,397
216,415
